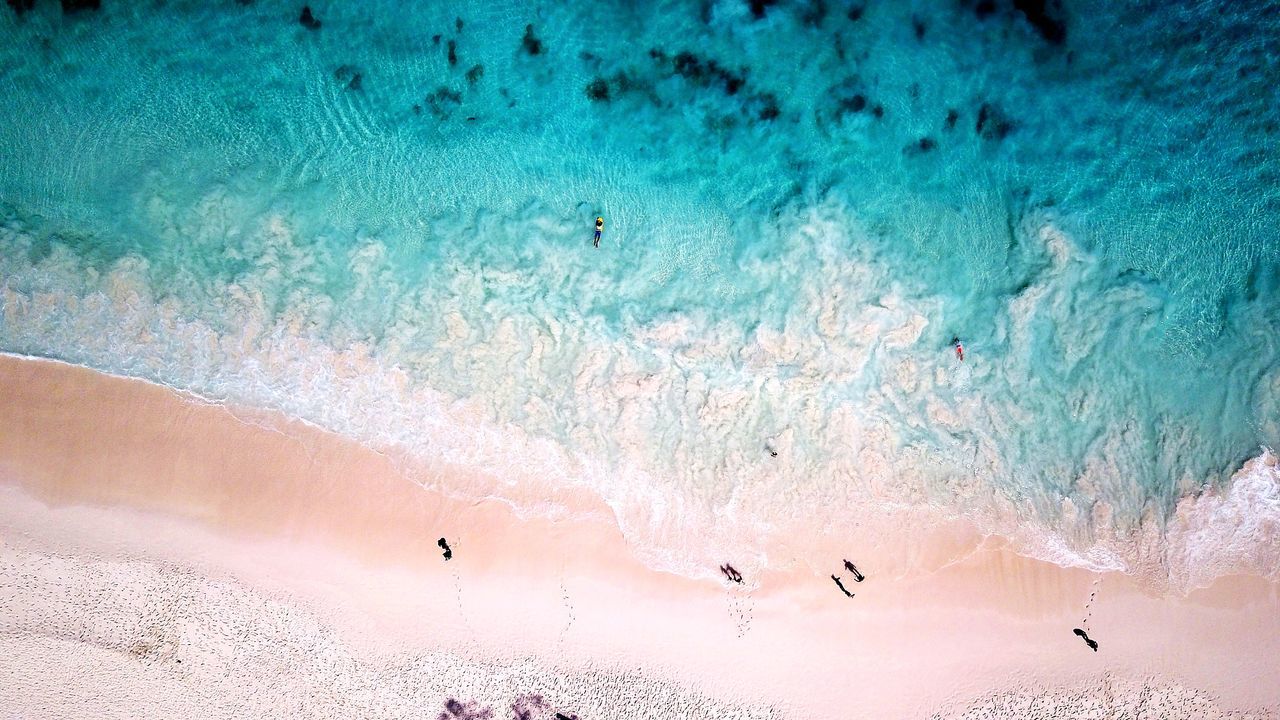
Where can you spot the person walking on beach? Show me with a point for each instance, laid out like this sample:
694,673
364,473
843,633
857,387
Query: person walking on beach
731,573
857,576
599,229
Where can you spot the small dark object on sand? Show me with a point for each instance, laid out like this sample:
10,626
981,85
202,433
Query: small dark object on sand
731,573
308,20
444,545
562,716
857,576
1093,645
840,585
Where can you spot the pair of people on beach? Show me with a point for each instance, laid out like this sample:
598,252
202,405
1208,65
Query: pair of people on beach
731,573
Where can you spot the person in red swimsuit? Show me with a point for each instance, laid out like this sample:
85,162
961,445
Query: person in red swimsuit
955,341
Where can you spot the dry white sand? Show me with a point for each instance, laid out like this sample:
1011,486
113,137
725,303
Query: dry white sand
165,557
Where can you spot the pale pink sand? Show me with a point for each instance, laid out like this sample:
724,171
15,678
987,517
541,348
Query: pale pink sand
300,513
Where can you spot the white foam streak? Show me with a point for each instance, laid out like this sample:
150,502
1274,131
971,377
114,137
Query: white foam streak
672,423
1227,532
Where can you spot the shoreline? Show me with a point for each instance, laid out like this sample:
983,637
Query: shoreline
110,457
1249,489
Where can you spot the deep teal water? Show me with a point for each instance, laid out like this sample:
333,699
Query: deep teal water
782,193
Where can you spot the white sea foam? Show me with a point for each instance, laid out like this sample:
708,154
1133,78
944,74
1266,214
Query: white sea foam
1235,530
671,421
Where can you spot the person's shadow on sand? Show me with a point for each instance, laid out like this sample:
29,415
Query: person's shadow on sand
1092,644
840,585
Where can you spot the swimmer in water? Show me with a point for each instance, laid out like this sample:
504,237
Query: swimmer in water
599,229
955,342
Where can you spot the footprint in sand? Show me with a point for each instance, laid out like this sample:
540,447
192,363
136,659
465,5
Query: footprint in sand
568,606
741,609
1083,630
457,590
1088,606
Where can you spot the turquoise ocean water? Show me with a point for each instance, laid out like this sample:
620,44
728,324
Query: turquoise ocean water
380,220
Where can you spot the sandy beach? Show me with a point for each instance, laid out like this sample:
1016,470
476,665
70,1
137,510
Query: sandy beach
483,360
164,557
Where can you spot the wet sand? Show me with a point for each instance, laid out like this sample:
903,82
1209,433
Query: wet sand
100,474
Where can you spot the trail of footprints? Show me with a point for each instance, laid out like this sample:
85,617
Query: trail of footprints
568,606
228,641
1088,606
741,609
233,652
457,589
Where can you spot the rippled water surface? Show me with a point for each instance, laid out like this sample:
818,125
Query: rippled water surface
380,220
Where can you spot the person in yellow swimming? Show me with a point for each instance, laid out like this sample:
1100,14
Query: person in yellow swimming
599,229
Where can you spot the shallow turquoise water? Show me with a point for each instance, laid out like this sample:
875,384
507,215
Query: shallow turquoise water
191,187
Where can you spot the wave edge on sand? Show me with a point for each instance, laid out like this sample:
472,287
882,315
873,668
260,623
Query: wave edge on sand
279,364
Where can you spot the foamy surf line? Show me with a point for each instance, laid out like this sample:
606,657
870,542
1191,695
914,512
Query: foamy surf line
367,394
687,425
925,286
1219,533
175,524
272,421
